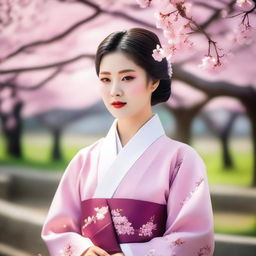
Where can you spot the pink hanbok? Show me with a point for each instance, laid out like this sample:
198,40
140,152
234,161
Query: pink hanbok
148,198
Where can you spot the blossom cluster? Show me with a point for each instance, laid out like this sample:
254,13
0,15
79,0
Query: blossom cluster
177,24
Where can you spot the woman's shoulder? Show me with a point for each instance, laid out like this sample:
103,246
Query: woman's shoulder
87,151
92,147
181,148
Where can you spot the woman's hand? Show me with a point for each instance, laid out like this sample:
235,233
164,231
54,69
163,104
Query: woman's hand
95,251
118,254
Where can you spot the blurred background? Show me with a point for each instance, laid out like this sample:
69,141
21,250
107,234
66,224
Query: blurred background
50,107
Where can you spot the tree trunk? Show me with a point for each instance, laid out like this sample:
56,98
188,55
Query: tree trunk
251,110
13,134
254,151
56,152
225,138
183,125
253,128
226,156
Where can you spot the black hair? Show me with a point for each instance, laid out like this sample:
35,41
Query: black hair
139,44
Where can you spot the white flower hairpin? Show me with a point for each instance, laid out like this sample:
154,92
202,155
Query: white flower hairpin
159,53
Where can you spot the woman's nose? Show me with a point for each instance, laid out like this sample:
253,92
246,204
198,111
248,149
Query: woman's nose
115,89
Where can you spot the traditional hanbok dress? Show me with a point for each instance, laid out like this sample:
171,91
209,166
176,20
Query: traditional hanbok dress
148,198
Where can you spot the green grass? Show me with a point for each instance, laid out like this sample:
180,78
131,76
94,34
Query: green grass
37,152
241,152
236,224
37,155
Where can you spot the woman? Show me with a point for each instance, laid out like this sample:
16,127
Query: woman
135,191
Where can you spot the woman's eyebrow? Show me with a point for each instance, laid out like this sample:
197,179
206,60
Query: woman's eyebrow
120,72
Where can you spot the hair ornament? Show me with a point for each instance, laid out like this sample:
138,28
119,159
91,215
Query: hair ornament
158,54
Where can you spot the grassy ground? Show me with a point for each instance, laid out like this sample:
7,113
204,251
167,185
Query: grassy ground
37,152
37,155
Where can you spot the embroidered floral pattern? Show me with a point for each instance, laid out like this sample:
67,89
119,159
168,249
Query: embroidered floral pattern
68,251
152,252
204,251
146,229
100,214
121,223
178,242
123,226
198,183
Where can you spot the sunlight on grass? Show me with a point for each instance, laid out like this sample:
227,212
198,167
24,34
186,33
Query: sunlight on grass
37,154
37,150
240,149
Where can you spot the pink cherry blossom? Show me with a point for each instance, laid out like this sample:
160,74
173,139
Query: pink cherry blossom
208,63
163,21
144,3
165,7
244,4
244,34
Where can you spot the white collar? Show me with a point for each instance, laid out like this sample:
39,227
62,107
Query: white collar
113,165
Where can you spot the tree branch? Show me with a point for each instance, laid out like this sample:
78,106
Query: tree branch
212,88
216,15
77,25
51,40
40,84
42,67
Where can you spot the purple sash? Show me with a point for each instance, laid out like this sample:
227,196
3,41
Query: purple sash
111,221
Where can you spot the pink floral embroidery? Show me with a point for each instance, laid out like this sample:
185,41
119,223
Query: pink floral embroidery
204,251
178,242
121,223
198,183
146,229
100,214
67,251
152,252
123,226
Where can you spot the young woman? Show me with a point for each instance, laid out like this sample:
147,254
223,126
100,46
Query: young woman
135,191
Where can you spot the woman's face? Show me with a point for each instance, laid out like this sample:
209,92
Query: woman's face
123,80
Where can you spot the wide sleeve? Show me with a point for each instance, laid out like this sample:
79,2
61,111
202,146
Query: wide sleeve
189,226
61,230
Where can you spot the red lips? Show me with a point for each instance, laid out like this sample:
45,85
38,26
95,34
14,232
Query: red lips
118,104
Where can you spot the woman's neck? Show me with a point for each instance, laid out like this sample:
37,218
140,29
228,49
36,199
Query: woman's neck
127,128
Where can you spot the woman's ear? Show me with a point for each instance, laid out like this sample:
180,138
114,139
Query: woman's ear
154,85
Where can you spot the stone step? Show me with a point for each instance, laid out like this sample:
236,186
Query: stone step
233,199
234,245
21,228
7,250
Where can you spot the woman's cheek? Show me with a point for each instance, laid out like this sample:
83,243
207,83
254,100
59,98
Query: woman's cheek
137,88
103,91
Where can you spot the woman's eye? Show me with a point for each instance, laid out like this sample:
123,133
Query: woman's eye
103,79
128,77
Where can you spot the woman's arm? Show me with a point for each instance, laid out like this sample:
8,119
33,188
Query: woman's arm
61,229
189,227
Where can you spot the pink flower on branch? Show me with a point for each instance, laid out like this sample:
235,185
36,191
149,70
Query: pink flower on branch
244,4
173,17
144,3
244,34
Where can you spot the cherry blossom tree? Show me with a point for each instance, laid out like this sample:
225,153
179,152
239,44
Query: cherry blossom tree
198,38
